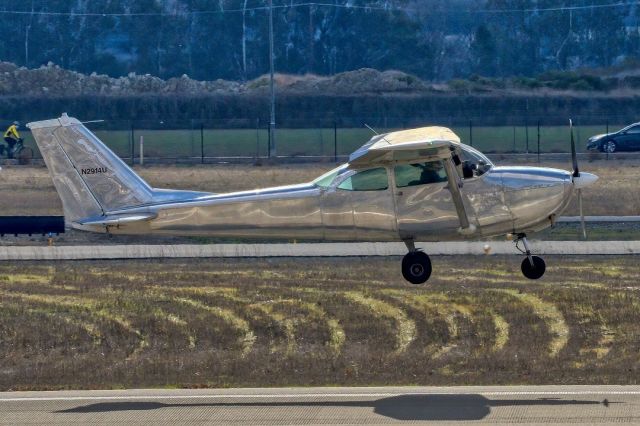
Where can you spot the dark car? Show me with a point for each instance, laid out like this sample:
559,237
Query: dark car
627,139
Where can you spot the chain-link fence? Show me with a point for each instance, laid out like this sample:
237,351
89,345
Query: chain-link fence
202,141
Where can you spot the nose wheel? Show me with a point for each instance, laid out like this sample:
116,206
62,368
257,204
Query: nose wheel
416,265
532,267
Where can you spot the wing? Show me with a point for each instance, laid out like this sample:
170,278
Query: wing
423,144
406,145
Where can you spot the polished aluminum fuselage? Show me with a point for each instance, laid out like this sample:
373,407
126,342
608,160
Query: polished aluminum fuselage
502,200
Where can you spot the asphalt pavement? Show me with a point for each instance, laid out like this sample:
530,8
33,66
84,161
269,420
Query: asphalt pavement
527,405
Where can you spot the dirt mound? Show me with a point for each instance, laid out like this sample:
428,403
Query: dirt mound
53,80
365,80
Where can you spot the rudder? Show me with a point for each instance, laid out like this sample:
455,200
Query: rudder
90,179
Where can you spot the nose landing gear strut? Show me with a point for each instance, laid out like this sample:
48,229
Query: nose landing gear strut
533,267
416,265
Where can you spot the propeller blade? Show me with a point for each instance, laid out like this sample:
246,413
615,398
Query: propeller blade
584,227
574,156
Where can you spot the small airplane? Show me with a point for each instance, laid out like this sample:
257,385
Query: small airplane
410,185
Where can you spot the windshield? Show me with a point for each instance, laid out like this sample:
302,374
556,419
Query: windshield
474,162
325,180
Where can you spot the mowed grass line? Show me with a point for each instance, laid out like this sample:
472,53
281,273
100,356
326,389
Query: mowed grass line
406,327
430,311
446,309
90,328
177,322
452,311
246,337
24,279
502,331
285,324
89,306
550,314
253,313
316,314
337,334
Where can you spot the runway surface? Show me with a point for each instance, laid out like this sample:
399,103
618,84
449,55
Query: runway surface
310,250
528,405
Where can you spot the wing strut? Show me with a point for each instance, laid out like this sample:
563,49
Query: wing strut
466,228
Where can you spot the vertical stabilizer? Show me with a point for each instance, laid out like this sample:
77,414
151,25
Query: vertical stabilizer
90,179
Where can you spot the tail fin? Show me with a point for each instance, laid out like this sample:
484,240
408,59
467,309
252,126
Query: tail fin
89,177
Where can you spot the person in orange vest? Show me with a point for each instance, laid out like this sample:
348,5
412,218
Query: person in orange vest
12,137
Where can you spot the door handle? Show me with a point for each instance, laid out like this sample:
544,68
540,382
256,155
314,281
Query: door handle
399,193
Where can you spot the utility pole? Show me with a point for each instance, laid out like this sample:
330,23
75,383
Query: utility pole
272,123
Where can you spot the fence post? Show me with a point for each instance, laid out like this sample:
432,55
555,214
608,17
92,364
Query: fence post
538,141
471,132
201,143
257,138
132,143
335,142
526,133
142,150
607,131
269,141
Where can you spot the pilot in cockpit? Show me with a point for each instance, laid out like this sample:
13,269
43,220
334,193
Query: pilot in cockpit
431,172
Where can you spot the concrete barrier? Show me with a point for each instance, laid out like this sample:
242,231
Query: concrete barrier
310,250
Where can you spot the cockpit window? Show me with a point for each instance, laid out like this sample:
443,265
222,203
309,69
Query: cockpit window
474,163
326,179
367,180
420,173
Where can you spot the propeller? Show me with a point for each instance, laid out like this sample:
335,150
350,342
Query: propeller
579,180
574,175
574,156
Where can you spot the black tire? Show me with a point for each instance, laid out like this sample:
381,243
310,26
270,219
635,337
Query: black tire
24,156
416,267
609,147
533,272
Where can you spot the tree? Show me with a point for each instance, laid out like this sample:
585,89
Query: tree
484,52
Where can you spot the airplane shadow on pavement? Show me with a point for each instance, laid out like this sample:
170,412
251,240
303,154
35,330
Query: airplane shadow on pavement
404,407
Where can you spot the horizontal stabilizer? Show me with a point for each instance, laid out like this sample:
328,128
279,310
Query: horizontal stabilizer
117,219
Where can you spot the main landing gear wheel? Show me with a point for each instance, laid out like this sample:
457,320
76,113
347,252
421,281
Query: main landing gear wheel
416,267
534,268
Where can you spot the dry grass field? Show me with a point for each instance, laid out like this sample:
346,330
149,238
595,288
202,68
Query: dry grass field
316,322
29,191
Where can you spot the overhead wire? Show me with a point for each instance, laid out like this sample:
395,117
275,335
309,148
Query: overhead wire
375,7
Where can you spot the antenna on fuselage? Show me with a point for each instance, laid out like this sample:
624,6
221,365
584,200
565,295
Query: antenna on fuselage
376,133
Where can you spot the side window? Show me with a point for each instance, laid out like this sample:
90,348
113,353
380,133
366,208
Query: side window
420,174
367,180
